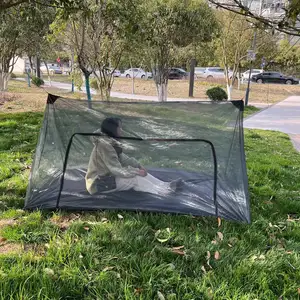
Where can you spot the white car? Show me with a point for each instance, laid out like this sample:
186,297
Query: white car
216,72
245,75
137,73
200,72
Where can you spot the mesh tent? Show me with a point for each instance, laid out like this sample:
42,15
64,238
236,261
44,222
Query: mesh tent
198,142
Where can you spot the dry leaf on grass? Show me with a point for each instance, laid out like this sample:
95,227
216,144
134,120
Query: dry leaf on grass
138,291
217,255
120,217
180,252
2,239
107,269
219,222
229,245
214,242
220,235
203,269
178,248
104,220
49,271
160,296
86,228
207,255
163,240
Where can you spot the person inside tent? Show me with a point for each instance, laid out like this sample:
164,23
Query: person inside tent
111,170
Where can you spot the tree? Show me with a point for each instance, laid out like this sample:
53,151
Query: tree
287,17
235,40
287,58
167,26
65,4
99,35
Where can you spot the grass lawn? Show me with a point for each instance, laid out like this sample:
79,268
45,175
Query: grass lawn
123,255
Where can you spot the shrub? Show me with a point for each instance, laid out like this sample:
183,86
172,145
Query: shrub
37,81
216,94
13,76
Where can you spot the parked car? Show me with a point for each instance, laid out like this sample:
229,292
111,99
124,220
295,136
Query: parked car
245,75
200,72
215,72
116,73
177,73
274,77
53,69
137,73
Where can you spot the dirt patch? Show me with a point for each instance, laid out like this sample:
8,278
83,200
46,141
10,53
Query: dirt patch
259,93
63,222
36,248
9,248
7,222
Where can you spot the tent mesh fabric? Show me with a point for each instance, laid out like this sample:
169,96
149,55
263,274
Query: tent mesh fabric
198,142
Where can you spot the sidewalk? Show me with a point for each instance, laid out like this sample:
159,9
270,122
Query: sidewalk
283,116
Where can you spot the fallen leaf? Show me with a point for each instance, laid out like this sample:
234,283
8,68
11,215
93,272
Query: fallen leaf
171,266
219,222
217,255
208,263
160,296
220,235
203,269
118,275
80,256
178,251
178,248
261,257
163,240
270,225
104,220
207,255
230,245
289,252
2,239
138,290
214,242
86,228
107,269
49,271
120,217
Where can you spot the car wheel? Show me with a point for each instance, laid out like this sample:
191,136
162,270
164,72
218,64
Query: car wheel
143,76
259,81
127,76
209,77
289,82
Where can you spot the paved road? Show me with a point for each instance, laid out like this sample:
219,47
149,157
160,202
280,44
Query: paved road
283,116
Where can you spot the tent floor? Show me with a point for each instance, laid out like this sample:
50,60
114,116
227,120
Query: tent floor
194,197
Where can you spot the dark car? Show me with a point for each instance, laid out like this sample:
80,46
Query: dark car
177,73
274,77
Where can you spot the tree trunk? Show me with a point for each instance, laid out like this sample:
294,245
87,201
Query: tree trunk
162,91
4,78
229,91
38,66
161,80
49,78
88,89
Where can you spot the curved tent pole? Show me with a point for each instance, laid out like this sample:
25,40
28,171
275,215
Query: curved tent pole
150,140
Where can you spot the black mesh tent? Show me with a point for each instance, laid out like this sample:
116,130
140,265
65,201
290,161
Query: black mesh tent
200,143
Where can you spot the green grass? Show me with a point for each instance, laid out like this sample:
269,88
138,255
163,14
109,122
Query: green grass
103,256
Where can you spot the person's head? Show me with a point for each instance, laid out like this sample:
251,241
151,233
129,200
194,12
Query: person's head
112,127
